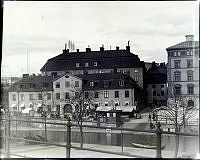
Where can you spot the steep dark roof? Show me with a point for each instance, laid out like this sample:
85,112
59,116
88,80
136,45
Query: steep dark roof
105,59
156,74
112,79
33,84
184,45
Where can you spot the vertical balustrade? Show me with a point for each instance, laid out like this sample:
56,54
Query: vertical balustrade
68,139
158,134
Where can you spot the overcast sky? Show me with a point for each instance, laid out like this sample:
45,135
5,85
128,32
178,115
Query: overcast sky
42,28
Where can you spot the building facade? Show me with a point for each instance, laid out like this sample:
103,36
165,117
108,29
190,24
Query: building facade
31,93
156,80
183,71
92,62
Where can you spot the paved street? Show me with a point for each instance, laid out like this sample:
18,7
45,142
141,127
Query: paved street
43,151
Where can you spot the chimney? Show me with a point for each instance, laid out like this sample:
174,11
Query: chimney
117,48
128,48
162,64
101,48
88,49
65,51
77,50
25,76
189,37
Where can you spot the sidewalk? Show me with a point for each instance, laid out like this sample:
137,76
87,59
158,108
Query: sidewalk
43,151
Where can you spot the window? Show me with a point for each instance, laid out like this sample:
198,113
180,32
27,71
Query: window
57,84
190,75
91,84
76,94
189,53
116,94
154,93
30,96
153,86
96,94
77,65
14,97
177,76
189,63
162,86
178,89
67,95
95,63
39,96
162,93
67,84
190,89
106,83
106,103
22,97
177,64
86,64
126,103
116,103
126,94
121,83
48,96
76,83
106,94
57,96
48,108
86,94
178,53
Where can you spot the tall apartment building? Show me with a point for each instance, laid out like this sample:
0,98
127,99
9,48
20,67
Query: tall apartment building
183,70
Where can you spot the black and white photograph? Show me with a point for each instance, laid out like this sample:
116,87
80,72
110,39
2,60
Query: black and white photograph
100,79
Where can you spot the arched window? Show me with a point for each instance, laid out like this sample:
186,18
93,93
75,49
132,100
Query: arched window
190,88
190,103
190,75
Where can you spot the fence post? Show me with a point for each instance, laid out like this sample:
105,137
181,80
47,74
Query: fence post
158,137
68,143
7,135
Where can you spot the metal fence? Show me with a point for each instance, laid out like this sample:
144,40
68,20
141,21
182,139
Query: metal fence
6,122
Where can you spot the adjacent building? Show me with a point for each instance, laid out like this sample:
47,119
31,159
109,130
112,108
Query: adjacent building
31,93
156,81
183,71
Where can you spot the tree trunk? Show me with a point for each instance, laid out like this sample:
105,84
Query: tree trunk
45,128
81,134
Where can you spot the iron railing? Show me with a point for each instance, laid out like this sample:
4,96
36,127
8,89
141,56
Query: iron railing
6,120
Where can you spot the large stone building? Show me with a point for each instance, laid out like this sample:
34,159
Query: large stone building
102,61
183,71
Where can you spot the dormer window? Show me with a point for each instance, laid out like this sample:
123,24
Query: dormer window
95,64
91,84
121,83
58,85
77,65
86,64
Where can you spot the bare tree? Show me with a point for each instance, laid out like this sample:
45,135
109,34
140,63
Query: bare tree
82,104
178,113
